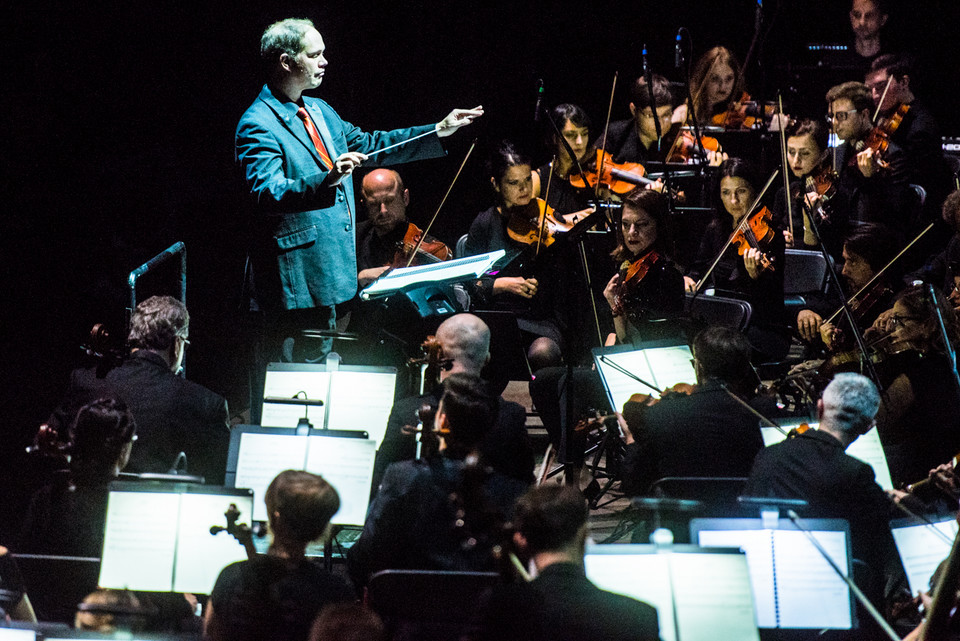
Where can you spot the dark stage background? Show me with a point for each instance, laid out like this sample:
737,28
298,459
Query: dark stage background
119,120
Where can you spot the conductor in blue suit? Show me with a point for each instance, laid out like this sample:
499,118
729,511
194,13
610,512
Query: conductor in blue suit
296,155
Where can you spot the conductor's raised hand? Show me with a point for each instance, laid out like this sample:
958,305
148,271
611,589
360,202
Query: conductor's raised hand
344,165
456,119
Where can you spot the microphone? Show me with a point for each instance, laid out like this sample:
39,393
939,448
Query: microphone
677,53
643,54
536,112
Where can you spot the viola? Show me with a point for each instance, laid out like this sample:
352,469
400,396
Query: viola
430,363
241,532
745,113
428,250
685,148
756,234
620,178
879,137
524,224
648,400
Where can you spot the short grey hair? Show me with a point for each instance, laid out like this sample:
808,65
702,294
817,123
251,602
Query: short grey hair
850,402
285,36
465,338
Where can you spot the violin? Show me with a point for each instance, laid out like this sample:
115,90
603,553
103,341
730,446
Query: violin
431,363
634,273
820,186
756,234
620,178
428,249
648,400
241,532
879,137
745,113
524,224
685,148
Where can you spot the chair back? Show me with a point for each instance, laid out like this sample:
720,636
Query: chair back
719,310
804,272
461,246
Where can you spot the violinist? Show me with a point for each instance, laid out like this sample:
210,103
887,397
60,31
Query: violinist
647,291
635,139
865,188
918,134
743,275
867,250
716,83
382,239
919,419
537,304
943,269
706,433
806,147
574,125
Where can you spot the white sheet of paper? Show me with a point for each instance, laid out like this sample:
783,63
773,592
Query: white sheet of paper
139,541
641,576
450,270
713,596
201,555
362,401
662,367
922,549
261,458
347,464
759,550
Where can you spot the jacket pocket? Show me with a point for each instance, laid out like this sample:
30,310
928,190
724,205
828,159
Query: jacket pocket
298,238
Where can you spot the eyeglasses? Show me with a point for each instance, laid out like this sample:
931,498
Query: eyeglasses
897,319
840,116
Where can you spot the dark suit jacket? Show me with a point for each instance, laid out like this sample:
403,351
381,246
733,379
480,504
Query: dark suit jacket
704,434
506,448
814,467
172,415
562,604
305,249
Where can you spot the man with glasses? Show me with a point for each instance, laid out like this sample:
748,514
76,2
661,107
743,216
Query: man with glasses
173,414
870,187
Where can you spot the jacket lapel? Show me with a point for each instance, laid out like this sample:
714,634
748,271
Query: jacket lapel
316,113
293,123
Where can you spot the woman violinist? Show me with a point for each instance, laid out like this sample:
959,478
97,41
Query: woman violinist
806,147
536,304
573,123
647,291
753,274
919,419
716,83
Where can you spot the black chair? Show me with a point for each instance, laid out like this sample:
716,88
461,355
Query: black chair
429,604
718,310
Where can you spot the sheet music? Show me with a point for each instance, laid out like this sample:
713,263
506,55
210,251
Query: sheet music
660,366
201,555
362,401
262,457
713,597
288,385
13,634
450,270
810,593
922,549
759,550
641,576
140,534
347,464
867,448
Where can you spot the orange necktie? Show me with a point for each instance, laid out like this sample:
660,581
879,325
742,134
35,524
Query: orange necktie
315,137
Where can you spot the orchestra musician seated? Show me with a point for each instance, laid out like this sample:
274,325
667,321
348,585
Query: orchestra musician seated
447,512
870,186
573,123
750,269
277,595
919,419
807,157
866,250
464,341
814,466
382,239
715,84
560,603
943,269
539,303
636,139
706,433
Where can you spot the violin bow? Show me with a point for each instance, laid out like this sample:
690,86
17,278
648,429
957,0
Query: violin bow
881,272
423,235
786,173
543,214
743,223
883,96
606,129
